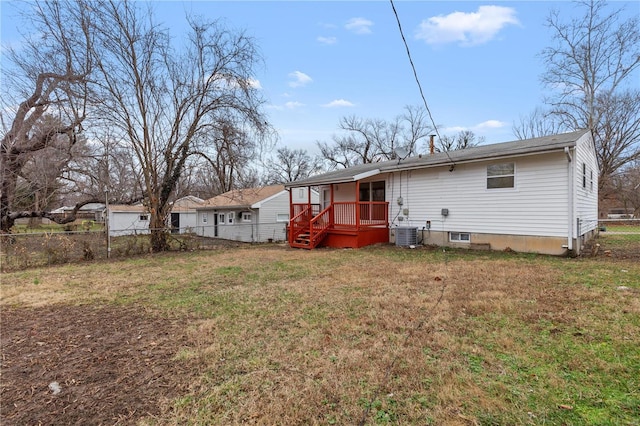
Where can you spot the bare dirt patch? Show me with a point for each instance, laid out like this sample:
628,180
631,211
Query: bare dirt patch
79,365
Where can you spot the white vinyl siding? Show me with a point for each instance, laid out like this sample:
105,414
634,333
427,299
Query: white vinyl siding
537,206
282,217
266,220
586,197
127,223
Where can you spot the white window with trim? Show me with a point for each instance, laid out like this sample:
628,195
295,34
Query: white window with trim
282,217
205,218
221,218
459,237
231,217
144,217
502,175
246,216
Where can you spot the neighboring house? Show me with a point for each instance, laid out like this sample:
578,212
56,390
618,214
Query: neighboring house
128,220
183,214
538,195
91,211
134,219
250,215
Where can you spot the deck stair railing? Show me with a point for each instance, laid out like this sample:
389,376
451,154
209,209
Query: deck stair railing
309,226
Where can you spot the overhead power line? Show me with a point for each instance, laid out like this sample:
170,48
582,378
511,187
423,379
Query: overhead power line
415,74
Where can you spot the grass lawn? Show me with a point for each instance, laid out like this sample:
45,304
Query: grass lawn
380,335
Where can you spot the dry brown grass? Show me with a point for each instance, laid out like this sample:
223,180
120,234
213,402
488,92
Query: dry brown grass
381,335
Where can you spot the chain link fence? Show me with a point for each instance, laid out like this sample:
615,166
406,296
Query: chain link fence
58,245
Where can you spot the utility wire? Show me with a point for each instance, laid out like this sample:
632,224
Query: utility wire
415,74
429,314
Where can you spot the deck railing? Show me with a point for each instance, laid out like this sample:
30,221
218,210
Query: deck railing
351,215
361,214
302,214
319,225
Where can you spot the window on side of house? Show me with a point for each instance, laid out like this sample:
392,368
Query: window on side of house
282,217
246,216
144,217
230,217
591,179
584,175
459,237
501,175
204,218
221,218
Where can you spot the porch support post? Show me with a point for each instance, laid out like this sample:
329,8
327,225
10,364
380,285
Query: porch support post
358,205
290,224
332,219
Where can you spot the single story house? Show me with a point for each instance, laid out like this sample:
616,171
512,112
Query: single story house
183,214
537,195
252,214
134,219
90,211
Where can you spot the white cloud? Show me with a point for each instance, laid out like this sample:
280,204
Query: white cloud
490,124
293,104
453,129
299,79
480,127
467,29
254,83
338,103
286,105
359,25
327,40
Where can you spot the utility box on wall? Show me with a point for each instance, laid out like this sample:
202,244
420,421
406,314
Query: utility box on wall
406,236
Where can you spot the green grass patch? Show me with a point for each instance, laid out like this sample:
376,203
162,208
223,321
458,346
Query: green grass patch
394,336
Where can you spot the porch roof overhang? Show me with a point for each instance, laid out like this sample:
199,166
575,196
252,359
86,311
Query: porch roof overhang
535,146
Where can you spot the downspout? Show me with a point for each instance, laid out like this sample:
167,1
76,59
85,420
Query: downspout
567,152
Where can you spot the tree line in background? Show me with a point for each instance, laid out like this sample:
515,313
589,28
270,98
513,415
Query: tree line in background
106,105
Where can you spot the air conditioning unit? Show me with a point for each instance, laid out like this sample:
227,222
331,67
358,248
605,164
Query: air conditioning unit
406,236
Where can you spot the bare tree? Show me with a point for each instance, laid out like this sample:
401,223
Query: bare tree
464,139
163,101
373,140
538,123
588,67
227,149
291,165
48,82
618,131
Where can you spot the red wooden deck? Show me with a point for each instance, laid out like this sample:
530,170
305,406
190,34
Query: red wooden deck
341,224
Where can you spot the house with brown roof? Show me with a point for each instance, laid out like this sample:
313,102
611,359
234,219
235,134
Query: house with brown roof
251,214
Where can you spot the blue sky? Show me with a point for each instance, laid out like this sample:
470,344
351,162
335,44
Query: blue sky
477,62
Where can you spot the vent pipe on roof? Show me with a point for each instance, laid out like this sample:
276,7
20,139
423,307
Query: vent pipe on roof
432,147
